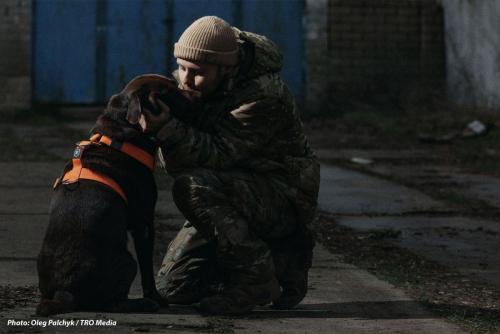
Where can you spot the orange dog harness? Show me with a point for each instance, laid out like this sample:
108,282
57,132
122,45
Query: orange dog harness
78,172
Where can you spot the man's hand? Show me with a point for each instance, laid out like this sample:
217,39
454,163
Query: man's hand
151,123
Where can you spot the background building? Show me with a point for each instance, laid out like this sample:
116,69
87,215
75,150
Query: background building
80,52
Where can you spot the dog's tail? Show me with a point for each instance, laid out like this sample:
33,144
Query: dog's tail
62,302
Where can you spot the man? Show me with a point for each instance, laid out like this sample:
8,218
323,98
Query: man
245,177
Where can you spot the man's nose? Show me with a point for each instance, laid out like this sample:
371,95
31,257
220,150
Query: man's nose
188,80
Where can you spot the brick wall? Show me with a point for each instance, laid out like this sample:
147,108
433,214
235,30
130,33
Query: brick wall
373,49
15,51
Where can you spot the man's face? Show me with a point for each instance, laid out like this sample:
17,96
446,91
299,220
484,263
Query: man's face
204,78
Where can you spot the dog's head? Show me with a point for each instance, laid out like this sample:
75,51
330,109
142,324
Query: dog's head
122,113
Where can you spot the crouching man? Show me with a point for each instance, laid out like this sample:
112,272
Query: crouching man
246,179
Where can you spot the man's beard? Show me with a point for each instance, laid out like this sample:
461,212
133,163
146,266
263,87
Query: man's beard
207,94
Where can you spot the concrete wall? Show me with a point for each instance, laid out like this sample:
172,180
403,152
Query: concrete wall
473,52
371,49
15,51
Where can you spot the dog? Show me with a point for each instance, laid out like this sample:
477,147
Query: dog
106,190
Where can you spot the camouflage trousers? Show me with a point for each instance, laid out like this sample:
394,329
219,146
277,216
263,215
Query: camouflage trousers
240,229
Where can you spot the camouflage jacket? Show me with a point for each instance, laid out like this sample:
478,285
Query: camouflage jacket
252,123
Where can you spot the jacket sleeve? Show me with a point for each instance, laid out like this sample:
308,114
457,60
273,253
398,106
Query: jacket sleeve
233,139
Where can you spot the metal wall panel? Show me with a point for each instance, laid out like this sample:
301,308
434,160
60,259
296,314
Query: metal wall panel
136,40
65,47
86,50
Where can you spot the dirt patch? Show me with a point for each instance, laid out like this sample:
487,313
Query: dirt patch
14,296
473,304
37,143
372,128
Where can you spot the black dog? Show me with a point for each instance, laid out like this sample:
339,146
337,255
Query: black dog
84,263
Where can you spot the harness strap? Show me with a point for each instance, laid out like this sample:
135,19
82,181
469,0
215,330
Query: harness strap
131,150
78,172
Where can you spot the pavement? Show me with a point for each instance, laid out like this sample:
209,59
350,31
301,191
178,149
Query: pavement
453,235
342,298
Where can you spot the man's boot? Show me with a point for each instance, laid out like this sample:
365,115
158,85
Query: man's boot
241,299
293,259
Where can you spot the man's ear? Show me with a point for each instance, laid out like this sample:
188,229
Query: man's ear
134,109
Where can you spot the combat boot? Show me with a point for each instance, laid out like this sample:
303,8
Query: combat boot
293,259
241,299
293,290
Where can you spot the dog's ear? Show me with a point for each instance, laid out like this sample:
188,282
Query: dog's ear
134,109
116,101
117,105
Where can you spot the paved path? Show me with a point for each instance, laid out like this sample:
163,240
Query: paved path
342,298
347,192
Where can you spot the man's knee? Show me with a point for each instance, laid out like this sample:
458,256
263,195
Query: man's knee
196,194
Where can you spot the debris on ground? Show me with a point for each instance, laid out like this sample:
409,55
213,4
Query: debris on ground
474,129
15,296
437,139
361,161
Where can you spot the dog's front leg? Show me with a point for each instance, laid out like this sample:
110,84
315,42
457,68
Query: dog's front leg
144,244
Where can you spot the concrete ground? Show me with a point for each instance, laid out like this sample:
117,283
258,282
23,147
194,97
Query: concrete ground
463,234
341,299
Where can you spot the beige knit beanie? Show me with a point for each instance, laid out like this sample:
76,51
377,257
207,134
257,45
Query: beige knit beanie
208,40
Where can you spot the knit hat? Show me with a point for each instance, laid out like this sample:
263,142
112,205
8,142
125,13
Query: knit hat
208,40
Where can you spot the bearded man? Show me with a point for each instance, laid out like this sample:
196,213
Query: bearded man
244,175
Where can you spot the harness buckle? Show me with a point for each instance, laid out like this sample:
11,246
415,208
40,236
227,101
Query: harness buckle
77,153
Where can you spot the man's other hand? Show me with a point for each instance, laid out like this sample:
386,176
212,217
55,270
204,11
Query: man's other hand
151,123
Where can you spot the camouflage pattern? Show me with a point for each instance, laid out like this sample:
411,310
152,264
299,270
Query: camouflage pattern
246,180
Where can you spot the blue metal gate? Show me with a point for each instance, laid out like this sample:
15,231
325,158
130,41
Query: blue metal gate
86,50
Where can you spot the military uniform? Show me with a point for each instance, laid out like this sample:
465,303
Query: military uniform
247,182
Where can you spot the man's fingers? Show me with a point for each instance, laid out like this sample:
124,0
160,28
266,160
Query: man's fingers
162,106
157,103
145,119
143,123
134,109
150,122
152,99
